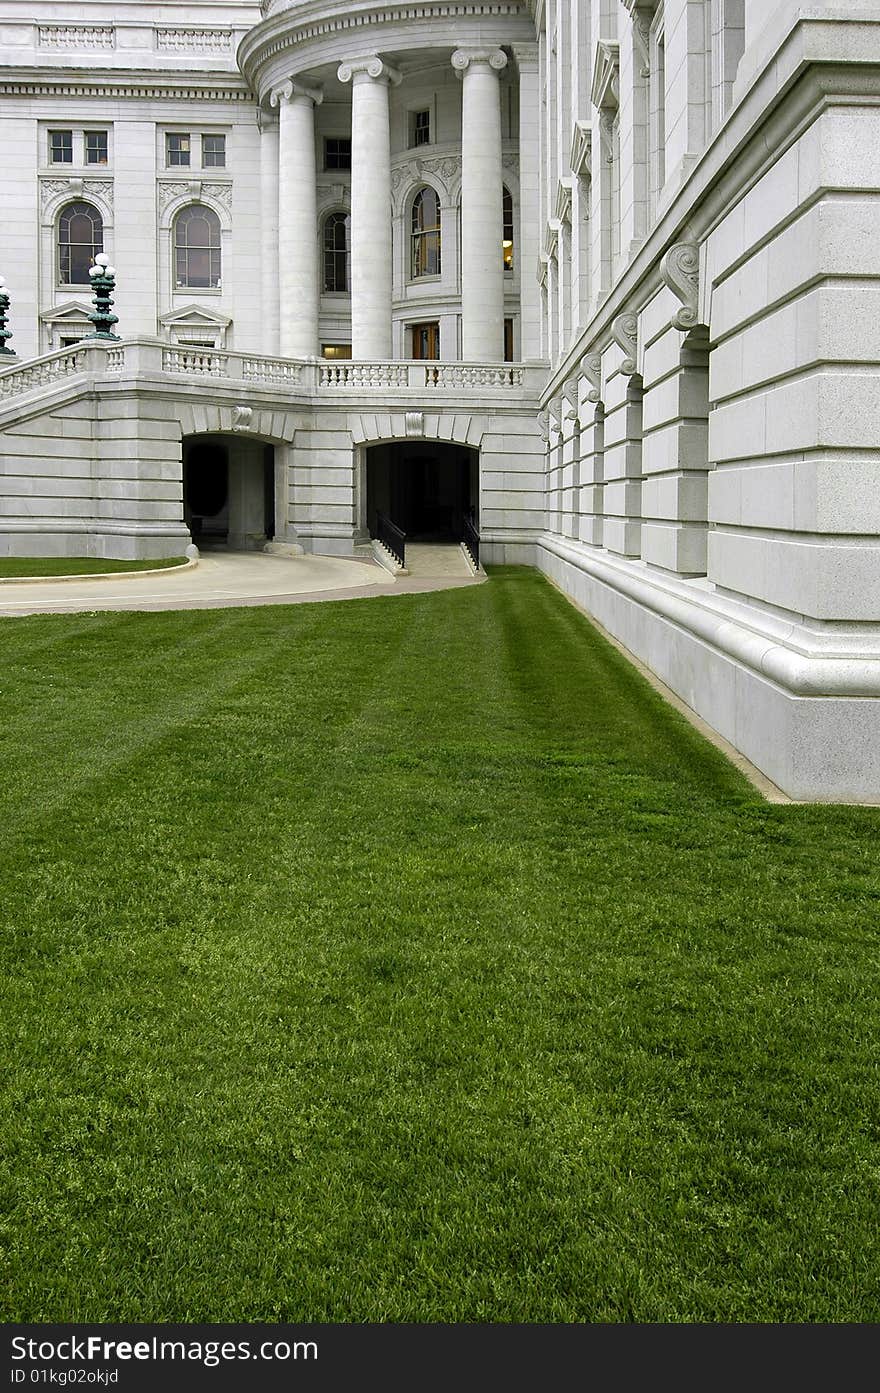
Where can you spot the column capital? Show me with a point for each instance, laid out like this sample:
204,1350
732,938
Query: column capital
369,66
290,90
463,58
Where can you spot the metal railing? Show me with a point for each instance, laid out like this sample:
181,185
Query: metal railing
471,539
392,538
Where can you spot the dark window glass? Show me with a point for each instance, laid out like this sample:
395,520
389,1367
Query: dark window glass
420,128
426,340
214,151
96,147
336,252
61,147
337,153
507,228
425,238
80,239
508,340
197,248
177,149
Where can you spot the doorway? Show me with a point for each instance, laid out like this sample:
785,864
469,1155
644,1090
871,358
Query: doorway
425,489
229,491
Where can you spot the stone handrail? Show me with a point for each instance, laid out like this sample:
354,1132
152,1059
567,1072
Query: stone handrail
215,362
42,372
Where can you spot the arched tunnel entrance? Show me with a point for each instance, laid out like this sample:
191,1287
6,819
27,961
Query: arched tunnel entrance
426,488
228,491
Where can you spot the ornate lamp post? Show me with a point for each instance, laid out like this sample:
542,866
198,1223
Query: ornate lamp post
4,310
103,278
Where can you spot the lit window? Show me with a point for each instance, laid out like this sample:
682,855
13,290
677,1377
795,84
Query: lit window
177,149
420,128
96,147
61,147
337,153
214,151
80,239
336,350
425,239
336,252
507,229
197,248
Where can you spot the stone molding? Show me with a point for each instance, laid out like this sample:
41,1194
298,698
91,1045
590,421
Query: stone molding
371,66
581,148
625,333
161,88
563,201
605,93
680,270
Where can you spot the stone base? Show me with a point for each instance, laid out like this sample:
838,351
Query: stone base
113,541
802,704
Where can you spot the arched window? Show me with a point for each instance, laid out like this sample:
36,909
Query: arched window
197,248
337,253
425,240
507,228
80,239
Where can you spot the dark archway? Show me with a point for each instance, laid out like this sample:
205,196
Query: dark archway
229,491
426,488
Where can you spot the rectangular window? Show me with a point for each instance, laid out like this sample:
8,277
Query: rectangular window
425,340
335,350
96,147
177,150
61,147
420,128
337,153
508,340
214,151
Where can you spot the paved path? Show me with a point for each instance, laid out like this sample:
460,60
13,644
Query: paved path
221,580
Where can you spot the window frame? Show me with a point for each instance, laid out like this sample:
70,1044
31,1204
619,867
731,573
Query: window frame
68,133
214,252
416,131
95,245
508,252
100,135
423,241
211,163
338,140
336,215
178,164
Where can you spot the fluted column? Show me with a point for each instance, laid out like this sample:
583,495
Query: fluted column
297,219
269,233
370,80
482,268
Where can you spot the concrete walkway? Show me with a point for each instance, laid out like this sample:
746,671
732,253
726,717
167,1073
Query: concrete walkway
221,580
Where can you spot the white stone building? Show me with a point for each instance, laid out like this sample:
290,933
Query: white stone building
599,276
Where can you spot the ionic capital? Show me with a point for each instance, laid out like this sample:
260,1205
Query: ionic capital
464,58
371,67
293,89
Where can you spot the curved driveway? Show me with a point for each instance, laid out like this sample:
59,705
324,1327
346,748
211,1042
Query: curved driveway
220,580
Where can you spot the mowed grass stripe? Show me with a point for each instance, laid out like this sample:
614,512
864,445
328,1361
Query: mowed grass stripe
427,967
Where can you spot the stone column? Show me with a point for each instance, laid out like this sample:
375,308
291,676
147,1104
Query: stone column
482,268
269,288
297,219
370,80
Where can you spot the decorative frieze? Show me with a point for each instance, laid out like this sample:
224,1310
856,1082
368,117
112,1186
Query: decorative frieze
171,190
194,40
680,269
52,189
64,37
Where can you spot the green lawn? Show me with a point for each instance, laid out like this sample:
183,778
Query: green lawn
408,959
78,565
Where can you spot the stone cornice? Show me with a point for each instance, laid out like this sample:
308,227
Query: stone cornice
581,148
302,28
39,82
605,93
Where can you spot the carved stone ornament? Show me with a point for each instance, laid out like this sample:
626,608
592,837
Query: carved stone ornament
581,148
605,92
680,269
543,420
570,400
291,89
591,368
624,332
462,58
372,66
51,189
242,417
414,424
